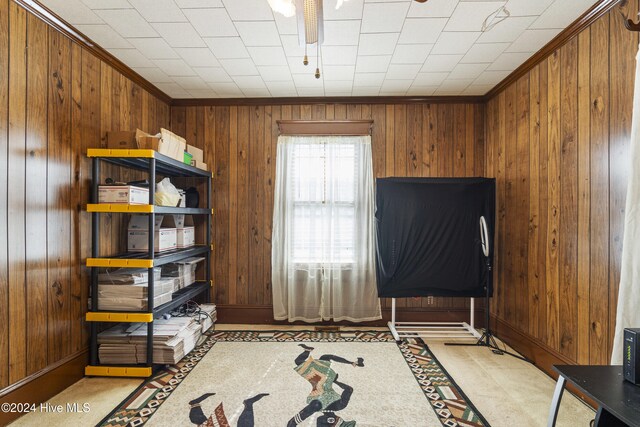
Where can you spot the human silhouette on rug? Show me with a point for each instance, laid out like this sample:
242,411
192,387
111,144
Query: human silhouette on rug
197,416
323,397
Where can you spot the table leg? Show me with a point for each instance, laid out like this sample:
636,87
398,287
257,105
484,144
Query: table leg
555,403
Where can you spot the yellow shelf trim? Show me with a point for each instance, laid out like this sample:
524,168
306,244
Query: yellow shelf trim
117,371
120,208
119,153
119,263
119,317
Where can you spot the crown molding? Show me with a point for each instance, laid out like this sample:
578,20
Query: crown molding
194,102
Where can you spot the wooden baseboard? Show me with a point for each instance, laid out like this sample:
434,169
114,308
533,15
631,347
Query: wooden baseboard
44,384
263,315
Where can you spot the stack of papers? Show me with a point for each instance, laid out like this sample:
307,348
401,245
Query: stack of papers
127,290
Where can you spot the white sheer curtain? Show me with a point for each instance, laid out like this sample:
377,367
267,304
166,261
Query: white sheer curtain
323,244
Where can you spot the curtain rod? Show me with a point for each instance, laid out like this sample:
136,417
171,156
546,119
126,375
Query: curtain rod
325,127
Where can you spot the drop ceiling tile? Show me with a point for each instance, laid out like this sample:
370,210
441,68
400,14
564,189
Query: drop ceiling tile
292,48
249,10
432,9
484,52
411,53
283,93
561,13
154,48
340,93
339,55
131,57
403,71
469,16
173,90
227,47
392,92
509,61
174,67
159,10
448,92
203,93
255,92
211,22
395,85
297,67
440,63
153,74
259,33
286,25
191,82
74,12
239,67
338,85
491,77
341,33
455,87
106,4
186,4
467,71
275,73
179,34
338,72
383,17
421,30
368,79
127,22
373,64
307,80
287,86
377,44
507,31
226,90
477,90
310,91
213,74
365,91
429,79
105,36
351,9
267,55
249,82
527,7
421,90
454,42
198,56
532,40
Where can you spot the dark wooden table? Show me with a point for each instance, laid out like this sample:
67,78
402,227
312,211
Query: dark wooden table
618,400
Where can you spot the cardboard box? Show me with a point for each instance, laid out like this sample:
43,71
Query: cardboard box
141,222
196,153
166,142
186,237
199,164
123,194
178,221
121,140
165,240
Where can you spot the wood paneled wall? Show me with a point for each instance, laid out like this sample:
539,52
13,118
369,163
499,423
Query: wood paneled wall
56,100
557,142
240,144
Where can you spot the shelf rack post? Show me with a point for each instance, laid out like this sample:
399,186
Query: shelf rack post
95,252
151,278
207,297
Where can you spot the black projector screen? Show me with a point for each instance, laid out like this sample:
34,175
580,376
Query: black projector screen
428,236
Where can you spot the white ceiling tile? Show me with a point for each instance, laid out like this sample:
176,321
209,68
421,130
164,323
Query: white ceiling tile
153,74
509,61
173,90
307,80
421,90
448,92
275,73
159,10
154,48
484,52
281,86
491,77
469,16
338,85
292,48
131,57
226,90
507,30
432,9
368,79
73,11
105,4
351,9
127,22
249,82
186,4
211,22
239,67
527,7
339,55
561,13
377,44
440,63
297,67
454,42
403,71
477,90
338,72
198,56
191,82
373,64
422,30
267,55
213,74
259,33
467,71
286,25
341,33
454,85
383,17
179,34
310,91
174,67
255,92
340,93
532,40
203,93
365,91
429,79
411,53
249,10
105,36
396,85
227,47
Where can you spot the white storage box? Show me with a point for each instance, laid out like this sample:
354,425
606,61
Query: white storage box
165,240
123,194
186,237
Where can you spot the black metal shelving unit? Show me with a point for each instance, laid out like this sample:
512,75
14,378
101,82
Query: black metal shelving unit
154,164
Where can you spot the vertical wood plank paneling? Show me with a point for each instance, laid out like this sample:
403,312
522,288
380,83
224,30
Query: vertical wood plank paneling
16,192
256,207
4,153
218,118
510,291
243,205
502,205
233,207
543,170
533,271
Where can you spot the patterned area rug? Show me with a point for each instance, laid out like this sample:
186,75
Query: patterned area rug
308,378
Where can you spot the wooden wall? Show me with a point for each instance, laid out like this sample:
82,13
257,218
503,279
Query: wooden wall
240,143
56,100
557,142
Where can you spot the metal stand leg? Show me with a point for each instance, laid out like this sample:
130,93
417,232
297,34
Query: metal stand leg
555,403
392,324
